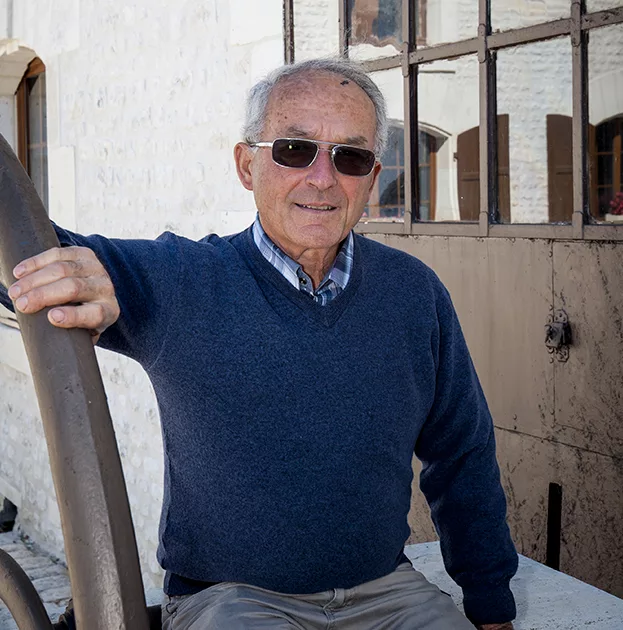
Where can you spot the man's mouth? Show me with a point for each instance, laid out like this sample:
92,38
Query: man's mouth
317,207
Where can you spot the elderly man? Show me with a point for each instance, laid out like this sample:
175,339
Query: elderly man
287,456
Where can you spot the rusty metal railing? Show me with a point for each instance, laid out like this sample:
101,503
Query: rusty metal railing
95,515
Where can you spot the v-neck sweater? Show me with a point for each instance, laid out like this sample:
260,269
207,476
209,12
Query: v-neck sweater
289,427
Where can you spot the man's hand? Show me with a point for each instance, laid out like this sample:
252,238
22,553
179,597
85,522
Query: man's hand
71,278
496,626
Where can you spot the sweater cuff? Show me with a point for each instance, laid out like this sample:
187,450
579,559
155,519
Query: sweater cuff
491,604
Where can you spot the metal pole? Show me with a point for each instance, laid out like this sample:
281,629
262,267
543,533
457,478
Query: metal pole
20,596
95,514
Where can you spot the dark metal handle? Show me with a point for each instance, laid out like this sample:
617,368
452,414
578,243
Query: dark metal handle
95,514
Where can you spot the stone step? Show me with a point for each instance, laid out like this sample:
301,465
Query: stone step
49,577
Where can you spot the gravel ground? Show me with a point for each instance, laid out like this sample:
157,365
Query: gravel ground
49,577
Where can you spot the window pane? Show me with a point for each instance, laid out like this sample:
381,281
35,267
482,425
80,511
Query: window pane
375,28
534,168
507,14
605,93
316,28
605,162
440,23
37,136
448,147
387,198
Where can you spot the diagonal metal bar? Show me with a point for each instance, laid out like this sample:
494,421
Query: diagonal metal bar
95,515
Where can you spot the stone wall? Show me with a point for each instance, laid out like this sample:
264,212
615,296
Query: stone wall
145,104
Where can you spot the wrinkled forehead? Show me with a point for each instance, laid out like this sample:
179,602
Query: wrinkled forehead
315,104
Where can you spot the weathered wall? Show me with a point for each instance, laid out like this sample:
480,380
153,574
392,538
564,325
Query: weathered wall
555,422
145,104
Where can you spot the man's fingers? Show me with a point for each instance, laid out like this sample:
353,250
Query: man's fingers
94,316
48,275
73,282
49,256
62,291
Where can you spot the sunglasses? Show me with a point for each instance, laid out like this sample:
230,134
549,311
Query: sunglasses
300,153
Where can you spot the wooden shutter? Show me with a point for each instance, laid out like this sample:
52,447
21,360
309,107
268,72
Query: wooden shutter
559,168
504,187
468,167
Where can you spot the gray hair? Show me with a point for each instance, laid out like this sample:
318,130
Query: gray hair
259,95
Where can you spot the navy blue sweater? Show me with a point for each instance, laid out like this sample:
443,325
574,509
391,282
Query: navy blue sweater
289,427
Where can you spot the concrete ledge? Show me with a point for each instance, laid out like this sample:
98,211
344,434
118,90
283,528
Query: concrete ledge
546,599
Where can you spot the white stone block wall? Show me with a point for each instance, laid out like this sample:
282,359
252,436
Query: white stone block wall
145,104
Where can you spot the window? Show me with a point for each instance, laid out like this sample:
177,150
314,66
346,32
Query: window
468,172
607,171
31,139
32,128
546,97
387,201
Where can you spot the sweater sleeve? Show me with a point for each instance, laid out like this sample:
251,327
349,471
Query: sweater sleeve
146,276
461,479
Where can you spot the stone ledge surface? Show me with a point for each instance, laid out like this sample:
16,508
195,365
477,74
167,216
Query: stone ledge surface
546,599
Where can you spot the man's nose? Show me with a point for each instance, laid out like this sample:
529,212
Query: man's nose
322,174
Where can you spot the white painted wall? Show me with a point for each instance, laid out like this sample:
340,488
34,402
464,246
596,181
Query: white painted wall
145,104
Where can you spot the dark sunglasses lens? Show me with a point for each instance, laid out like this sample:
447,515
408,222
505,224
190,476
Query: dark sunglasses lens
353,161
294,153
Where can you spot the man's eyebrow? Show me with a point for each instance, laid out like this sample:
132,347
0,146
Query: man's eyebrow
296,132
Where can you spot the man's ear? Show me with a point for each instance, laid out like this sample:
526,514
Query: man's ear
243,156
378,167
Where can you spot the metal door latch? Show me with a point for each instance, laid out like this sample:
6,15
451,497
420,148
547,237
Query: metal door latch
558,335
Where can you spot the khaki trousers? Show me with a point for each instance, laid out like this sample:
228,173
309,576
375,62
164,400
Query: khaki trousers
402,600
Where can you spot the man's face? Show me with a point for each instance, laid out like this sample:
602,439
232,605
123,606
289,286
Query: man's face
311,208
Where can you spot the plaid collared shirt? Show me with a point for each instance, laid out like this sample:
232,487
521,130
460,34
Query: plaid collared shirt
333,283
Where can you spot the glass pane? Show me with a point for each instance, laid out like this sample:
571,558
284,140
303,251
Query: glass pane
448,147
439,22
534,133
605,163
375,28
425,185
37,136
36,105
605,136
605,93
316,28
387,198
601,5
507,14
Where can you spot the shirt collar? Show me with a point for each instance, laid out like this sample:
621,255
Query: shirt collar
339,273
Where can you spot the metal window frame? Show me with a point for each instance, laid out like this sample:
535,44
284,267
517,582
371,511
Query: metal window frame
485,45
